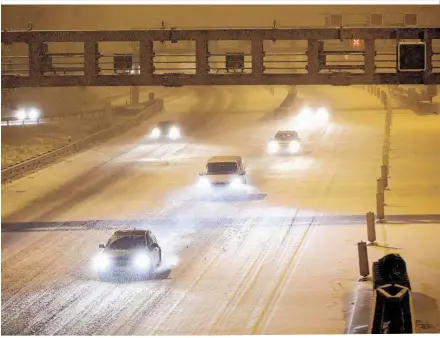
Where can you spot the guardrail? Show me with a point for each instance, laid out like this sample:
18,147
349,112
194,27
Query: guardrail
418,101
23,168
288,102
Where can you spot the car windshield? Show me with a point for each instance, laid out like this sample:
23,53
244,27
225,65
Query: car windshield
128,242
165,124
222,168
286,136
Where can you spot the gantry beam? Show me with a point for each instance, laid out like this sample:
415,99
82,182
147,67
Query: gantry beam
177,80
220,34
38,77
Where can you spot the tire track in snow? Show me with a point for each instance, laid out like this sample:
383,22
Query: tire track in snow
278,289
146,309
251,274
180,298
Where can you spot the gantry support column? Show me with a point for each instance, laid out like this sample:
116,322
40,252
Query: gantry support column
91,60
202,56
134,95
35,60
312,57
429,55
370,54
146,57
257,52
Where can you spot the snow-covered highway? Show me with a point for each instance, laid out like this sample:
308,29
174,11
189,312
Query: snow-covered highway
282,260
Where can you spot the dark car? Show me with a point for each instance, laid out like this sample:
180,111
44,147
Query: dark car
166,129
135,252
285,141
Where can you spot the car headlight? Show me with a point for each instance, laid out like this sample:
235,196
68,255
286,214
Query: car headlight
34,114
322,115
304,118
273,147
306,112
142,261
204,182
294,146
101,261
236,181
174,133
21,115
155,133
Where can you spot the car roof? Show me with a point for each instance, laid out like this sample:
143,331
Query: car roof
166,122
314,104
219,159
286,132
129,233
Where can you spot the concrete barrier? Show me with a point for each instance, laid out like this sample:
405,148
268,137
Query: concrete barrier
21,169
418,101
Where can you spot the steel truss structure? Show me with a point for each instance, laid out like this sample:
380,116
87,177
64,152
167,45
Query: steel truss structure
146,76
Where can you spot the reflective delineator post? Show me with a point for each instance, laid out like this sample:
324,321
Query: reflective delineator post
371,227
386,162
385,150
386,138
364,269
134,95
384,175
380,187
380,206
390,117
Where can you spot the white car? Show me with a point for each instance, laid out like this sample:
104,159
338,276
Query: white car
166,129
223,172
284,142
312,116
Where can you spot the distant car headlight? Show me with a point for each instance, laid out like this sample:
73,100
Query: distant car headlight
34,114
322,115
294,146
273,147
21,115
174,133
155,133
142,261
305,118
306,112
101,261
204,182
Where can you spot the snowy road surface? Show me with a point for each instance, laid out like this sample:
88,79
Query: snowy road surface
282,260
20,144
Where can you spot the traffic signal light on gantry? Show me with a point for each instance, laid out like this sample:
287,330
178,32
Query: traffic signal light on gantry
411,56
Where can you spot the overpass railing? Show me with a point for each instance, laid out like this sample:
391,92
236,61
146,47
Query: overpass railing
308,61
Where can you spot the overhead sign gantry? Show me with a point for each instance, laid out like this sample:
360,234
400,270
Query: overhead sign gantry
415,61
